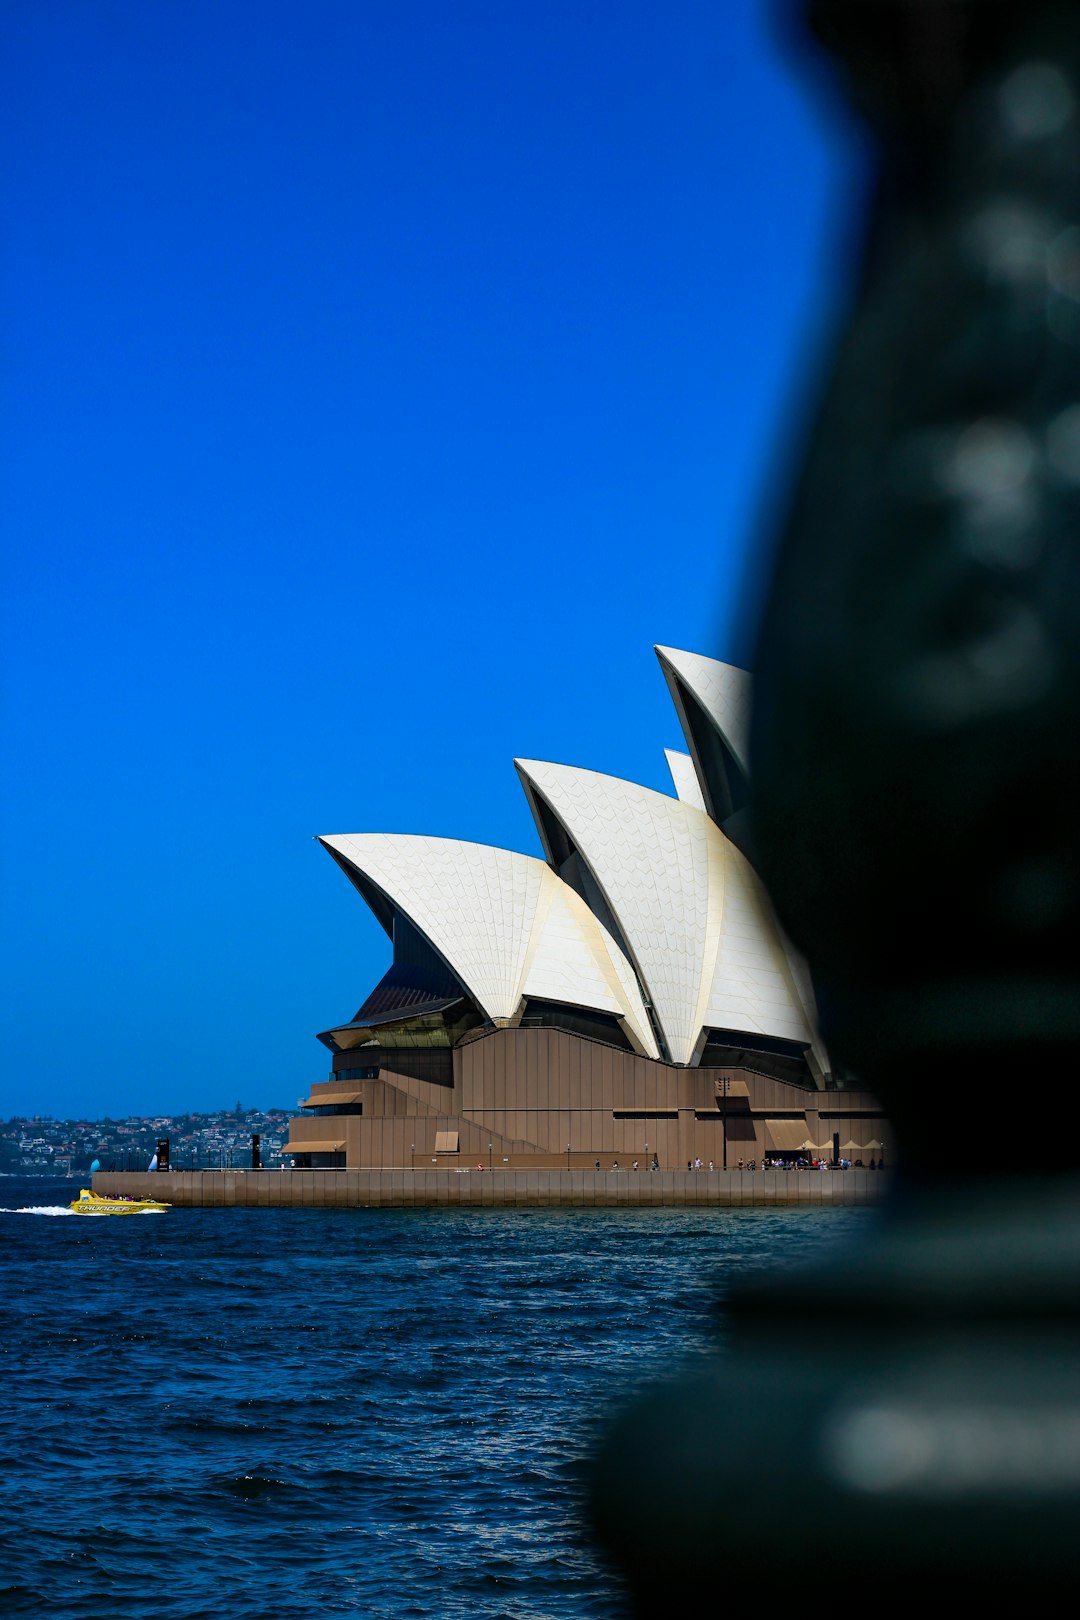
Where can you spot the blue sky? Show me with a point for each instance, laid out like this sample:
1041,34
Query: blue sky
381,380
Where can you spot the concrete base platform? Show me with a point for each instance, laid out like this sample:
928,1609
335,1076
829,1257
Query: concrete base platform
525,1189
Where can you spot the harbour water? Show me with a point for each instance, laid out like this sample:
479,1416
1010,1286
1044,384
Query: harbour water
382,1412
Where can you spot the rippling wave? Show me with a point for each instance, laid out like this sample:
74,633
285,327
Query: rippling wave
337,1412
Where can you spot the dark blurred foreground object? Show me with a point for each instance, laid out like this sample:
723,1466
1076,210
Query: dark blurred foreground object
917,699
905,1422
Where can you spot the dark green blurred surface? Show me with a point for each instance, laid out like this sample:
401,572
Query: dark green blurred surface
907,1423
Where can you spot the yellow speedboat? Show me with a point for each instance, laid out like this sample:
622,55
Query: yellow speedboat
89,1203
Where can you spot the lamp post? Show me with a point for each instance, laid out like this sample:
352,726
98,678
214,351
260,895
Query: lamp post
412,1155
568,1156
490,1145
647,1156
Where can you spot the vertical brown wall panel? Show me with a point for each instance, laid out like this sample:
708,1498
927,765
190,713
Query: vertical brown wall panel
464,1095
520,1070
584,1057
578,1124
508,1054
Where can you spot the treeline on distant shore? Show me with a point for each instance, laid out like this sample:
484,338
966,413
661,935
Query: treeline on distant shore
41,1145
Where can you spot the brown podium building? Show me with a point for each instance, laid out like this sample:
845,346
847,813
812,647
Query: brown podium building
627,1000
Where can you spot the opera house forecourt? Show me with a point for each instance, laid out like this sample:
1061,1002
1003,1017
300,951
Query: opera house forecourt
620,1022
626,1004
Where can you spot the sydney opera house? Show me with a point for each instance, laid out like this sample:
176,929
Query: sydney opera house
627,1001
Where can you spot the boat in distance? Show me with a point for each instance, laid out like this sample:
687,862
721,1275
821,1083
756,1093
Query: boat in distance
89,1203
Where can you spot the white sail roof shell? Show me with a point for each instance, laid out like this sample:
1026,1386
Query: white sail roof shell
684,778
506,924
723,691
691,911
